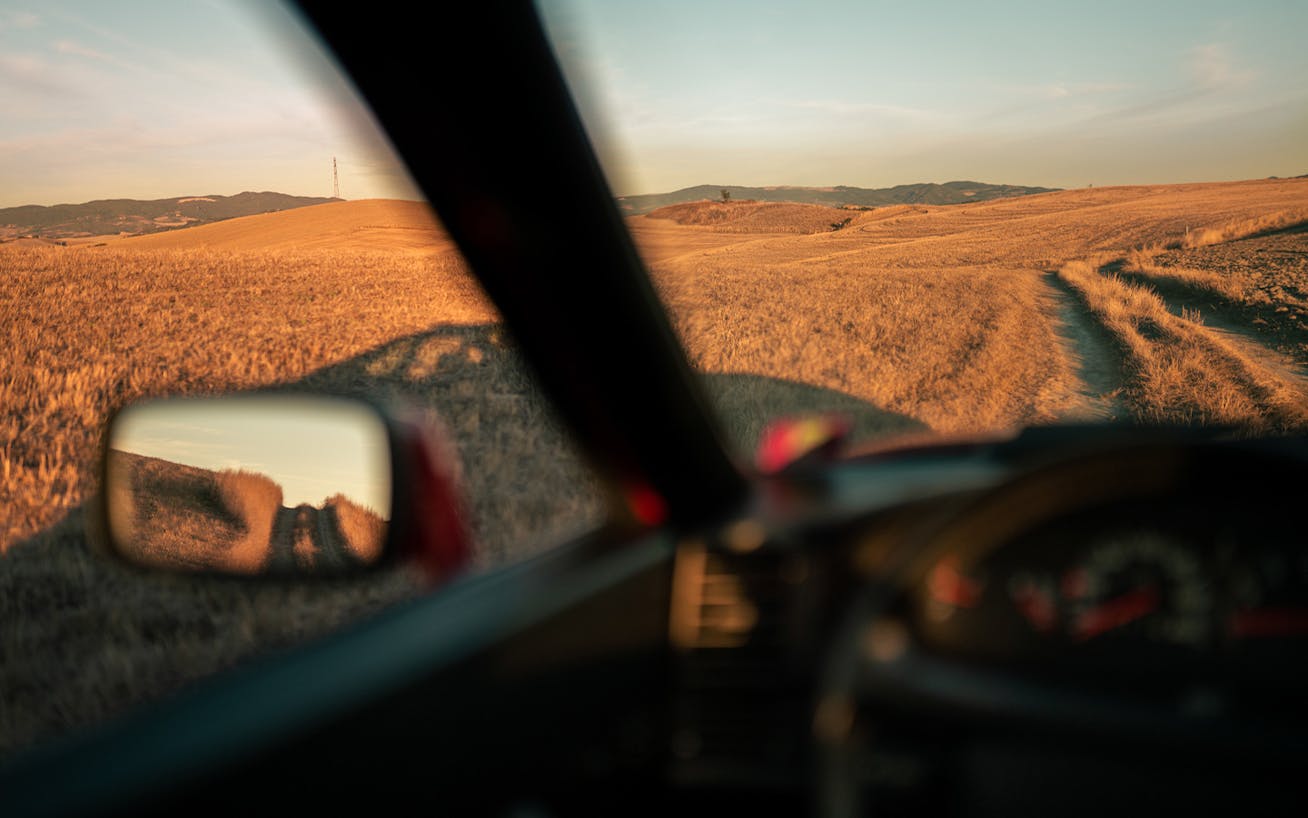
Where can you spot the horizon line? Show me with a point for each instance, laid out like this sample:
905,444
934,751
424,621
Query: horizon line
330,199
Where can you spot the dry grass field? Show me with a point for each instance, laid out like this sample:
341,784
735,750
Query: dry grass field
87,329
911,319
950,316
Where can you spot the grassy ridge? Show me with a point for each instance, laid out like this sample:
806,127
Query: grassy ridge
361,528
1180,371
1258,283
112,216
840,195
371,225
757,217
174,516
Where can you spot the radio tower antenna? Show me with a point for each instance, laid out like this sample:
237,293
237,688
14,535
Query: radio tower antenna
336,181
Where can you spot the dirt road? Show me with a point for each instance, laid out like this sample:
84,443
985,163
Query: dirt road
1094,354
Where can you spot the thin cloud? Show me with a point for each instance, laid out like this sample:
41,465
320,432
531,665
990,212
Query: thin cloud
126,136
1214,75
30,75
1213,68
75,49
18,20
70,47
1072,90
160,58
843,107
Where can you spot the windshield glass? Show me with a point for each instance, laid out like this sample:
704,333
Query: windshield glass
193,201
966,218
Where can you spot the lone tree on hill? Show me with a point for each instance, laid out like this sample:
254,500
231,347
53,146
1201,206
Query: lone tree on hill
726,195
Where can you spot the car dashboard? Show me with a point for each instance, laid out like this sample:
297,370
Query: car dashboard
1076,620
1060,624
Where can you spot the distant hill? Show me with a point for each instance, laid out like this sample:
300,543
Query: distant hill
136,217
839,196
746,216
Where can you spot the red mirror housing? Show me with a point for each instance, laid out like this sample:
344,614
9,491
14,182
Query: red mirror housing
435,531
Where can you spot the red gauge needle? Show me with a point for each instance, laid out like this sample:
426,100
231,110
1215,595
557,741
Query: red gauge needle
1269,622
1037,606
1116,612
948,585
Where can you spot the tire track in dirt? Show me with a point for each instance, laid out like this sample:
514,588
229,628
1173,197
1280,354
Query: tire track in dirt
1221,370
1247,344
332,553
1094,354
321,528
281,543
1219,320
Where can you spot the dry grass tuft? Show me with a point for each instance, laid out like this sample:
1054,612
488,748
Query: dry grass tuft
1240,228
254,499
1142,262
362,528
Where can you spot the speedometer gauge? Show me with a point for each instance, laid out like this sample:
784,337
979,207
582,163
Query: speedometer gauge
1139,583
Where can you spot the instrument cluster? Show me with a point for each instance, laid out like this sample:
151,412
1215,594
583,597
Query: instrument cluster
1202,580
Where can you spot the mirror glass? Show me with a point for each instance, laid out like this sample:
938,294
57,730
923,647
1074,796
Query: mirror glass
253,484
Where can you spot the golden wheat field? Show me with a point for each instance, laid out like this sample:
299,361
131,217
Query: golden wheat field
1182,303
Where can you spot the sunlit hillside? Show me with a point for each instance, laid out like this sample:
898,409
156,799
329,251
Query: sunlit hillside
376,225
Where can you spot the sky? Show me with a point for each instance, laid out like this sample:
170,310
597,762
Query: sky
315,447
149,99
153,99
873,94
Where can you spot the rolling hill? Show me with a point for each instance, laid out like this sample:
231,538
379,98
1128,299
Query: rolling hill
756,217
107,217
389,225
838,196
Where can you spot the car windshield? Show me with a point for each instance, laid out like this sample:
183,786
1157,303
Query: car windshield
193,201
943,220
927,222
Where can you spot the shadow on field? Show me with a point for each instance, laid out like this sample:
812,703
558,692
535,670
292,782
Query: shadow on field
524,478
478,386
747,403
96,638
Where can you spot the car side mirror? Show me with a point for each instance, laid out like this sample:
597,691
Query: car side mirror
278,485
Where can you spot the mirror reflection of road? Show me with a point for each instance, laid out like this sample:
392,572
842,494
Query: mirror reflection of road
305,538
